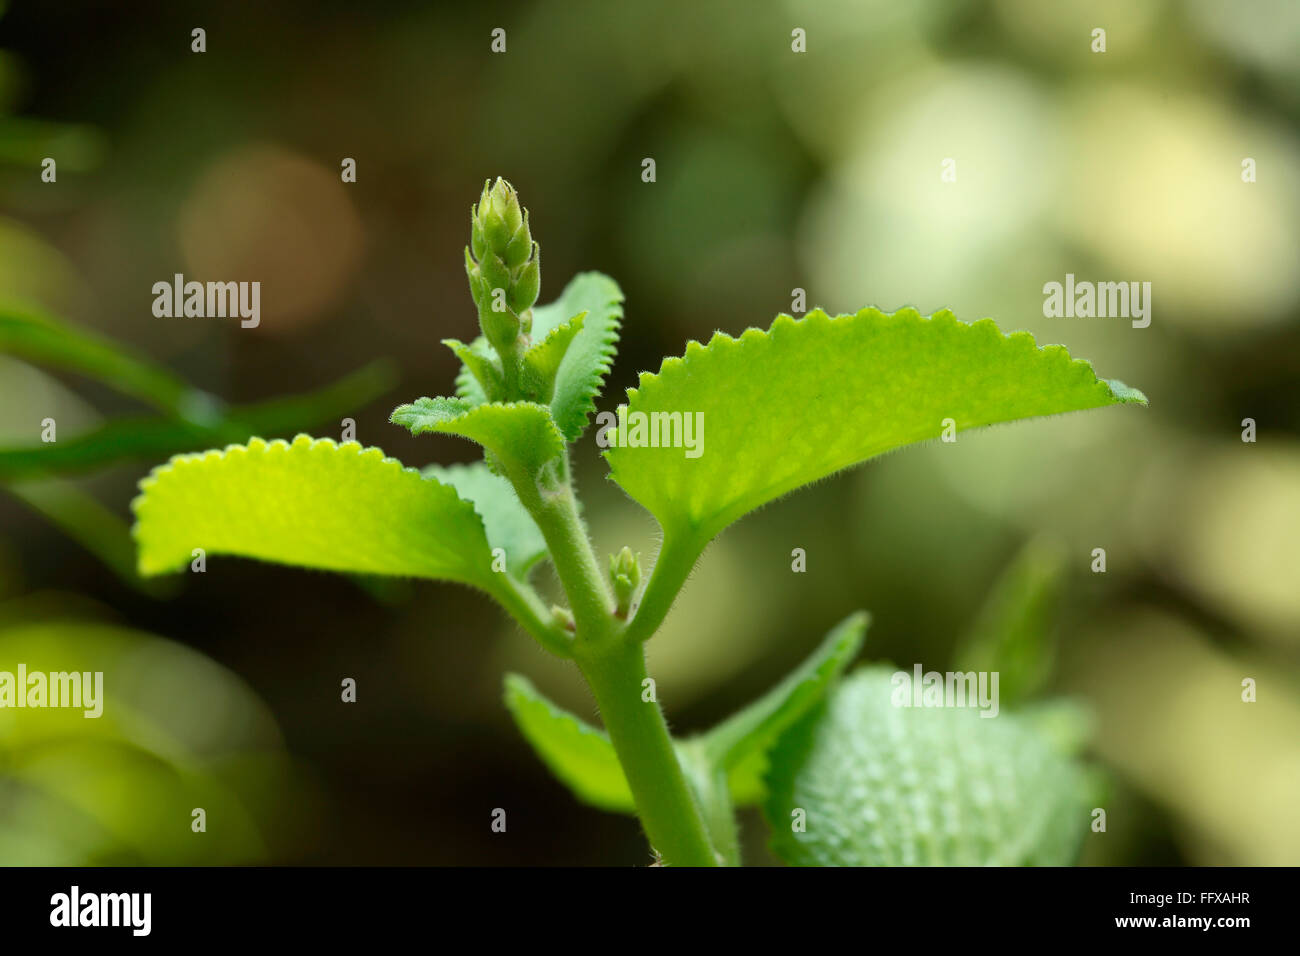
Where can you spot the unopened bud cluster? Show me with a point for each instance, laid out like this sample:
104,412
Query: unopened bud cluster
504,268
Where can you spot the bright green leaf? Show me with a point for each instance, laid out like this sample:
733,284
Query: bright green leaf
813,396
578,754
314,504
586,360
882,785
509,525
1012,634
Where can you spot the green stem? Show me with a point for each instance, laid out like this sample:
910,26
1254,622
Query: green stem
614,667
556,514
668,810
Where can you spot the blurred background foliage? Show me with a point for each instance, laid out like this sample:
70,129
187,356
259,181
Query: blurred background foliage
775,170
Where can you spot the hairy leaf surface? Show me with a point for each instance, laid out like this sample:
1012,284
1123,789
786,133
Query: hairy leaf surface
882,785
519,431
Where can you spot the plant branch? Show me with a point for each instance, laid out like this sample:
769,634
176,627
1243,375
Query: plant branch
615,671
668,810
556,512
519,598
676,559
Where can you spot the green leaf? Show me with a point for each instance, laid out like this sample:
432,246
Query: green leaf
1068,725
579,755
810,397
754,729
519,432
542,361
885,786
314,504
479,367
156,437
44,340
587,360
1012,634
509,525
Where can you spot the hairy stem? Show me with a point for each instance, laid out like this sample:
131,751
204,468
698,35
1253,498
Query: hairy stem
527,608
556,512
614,667
668,810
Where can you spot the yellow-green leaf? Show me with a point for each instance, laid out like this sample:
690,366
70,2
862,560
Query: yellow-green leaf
783,408
311,503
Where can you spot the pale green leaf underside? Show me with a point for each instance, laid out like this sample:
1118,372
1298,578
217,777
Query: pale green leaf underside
508,524
579,755
518,432
588,359
310,503
583,758
810,397
755,728
895,786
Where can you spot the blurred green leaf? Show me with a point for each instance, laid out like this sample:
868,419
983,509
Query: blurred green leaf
880,785
1012,634
25,141
151,438
44,340
173,731
90,524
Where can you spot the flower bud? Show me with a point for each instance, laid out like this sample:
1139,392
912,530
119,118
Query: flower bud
520,245
524,292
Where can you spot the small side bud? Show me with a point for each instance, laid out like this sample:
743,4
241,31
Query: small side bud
563,617
625,574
